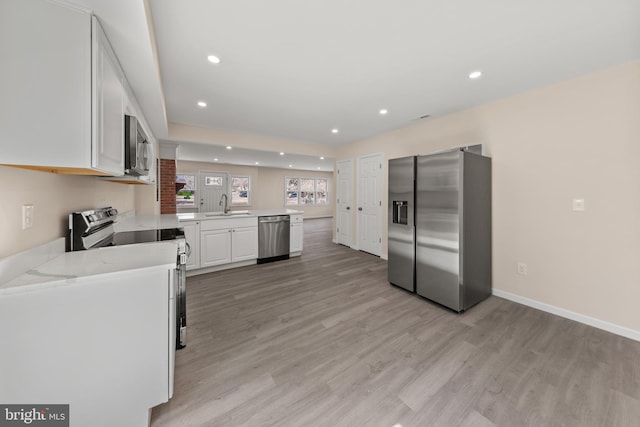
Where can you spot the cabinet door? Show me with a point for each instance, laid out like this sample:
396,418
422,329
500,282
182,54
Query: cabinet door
45,84
244,244
215,247
108,102
192,235
296,237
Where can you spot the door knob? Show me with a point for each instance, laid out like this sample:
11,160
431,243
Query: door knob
348,207
359,209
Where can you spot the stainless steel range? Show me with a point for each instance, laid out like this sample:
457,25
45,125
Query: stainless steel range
92,229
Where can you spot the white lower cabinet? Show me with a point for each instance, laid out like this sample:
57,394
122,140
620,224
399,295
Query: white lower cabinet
192,235
215,247
244,244
83,333
296,235
222,243
227,241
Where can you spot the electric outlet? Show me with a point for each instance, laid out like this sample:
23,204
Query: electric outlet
27,216
522,268
578,205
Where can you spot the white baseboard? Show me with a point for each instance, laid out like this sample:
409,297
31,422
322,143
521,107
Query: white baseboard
355,248
342,244
215,268
587,320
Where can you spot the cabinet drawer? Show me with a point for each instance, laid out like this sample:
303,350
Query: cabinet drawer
220,224
296,218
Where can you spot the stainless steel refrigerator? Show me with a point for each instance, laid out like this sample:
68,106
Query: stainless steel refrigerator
440,226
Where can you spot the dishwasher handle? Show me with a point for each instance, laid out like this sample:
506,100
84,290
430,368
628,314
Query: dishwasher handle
270,221
273,218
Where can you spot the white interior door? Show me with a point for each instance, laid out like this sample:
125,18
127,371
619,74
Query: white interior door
344,202
370,204
212,185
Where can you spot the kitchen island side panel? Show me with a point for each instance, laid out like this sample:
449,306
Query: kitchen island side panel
93,342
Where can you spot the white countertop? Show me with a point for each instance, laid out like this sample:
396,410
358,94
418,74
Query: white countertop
145,222
68,267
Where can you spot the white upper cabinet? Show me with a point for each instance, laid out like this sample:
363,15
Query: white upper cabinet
108,108
63,96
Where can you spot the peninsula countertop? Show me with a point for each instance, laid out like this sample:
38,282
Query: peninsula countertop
66,268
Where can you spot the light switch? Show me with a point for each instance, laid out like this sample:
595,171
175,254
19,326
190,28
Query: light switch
578,205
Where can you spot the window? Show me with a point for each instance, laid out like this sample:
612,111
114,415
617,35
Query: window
291,191
185,190
321,191
213,181
240,191
305,191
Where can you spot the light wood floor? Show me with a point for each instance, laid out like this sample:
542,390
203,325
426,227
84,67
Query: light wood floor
324,340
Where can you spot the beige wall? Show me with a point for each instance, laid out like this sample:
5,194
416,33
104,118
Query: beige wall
146,201
576,139
53,197
267,185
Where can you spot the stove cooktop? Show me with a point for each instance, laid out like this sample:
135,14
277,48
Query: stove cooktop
143,236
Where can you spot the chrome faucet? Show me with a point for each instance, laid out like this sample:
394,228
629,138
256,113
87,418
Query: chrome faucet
226,203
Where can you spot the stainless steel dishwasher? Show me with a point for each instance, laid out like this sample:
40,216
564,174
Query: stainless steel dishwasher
273,238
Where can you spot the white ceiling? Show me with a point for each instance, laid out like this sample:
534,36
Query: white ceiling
296,69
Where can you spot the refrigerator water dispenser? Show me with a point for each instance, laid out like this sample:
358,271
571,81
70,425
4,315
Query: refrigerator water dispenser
400,210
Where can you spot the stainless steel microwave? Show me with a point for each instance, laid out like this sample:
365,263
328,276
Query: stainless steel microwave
136,148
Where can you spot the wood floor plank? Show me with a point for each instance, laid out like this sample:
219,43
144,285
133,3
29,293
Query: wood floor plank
324,340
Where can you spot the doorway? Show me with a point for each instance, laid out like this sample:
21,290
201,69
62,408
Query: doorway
344,202
370,204
212,186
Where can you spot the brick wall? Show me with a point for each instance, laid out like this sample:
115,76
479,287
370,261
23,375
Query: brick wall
167,186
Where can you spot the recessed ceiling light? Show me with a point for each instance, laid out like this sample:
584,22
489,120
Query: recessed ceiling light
318,167
290,166
281,153
257,163
475,74
202,104
213,59
321,158
383,111
334,131
229,147
215,160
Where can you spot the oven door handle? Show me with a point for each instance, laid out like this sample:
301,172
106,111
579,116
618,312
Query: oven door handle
188,249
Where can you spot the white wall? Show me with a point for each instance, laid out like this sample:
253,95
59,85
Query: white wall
576,139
